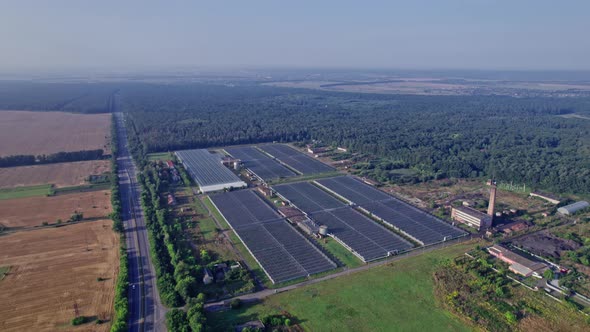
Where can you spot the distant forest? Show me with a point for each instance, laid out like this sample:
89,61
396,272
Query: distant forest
513,139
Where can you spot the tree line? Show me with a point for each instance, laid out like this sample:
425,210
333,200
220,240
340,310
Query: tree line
177,271
59,157
121,302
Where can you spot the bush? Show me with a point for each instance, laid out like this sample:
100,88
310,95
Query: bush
79,320
548,274
511,317
235,303
176,321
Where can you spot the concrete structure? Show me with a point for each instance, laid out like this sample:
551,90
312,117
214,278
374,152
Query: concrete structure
370,182
471,217
573,208
293,214
316,150
308,226
515,226
548,197
265,191
518,263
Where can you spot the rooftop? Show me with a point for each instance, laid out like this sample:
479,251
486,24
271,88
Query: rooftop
206,168
500,250
471,211
576,206
544,194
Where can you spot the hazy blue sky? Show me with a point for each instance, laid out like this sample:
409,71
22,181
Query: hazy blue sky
535,34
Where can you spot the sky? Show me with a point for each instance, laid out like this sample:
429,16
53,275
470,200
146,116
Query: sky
417,34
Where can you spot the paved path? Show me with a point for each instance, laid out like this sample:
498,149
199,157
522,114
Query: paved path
146,312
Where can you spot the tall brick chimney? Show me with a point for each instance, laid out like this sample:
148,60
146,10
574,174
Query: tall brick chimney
492,204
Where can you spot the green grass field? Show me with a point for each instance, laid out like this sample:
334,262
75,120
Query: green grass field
394,297
305,178
198,205
4,271
21,192
159,156
341,253
207,228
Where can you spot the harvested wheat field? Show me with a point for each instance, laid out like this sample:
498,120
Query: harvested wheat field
53,270
35,133
60,175
33,211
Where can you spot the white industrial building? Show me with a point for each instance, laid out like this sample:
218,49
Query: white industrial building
471,217
208,171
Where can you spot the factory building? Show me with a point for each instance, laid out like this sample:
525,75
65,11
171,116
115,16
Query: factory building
548,197
518,263
573,208
207,169
471,217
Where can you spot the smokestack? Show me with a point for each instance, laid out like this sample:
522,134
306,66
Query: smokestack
492,204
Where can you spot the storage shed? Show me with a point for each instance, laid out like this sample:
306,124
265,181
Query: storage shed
573,208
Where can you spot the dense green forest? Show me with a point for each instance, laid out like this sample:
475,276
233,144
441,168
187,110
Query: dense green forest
513,139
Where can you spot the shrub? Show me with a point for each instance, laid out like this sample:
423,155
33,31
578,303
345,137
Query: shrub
235,303
79,320
548,274
511,317
176,321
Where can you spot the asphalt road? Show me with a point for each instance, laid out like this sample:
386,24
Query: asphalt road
146,312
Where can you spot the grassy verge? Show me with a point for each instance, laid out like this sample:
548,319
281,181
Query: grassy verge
305,178
4,271
159,156
399,294
336,249
82,188
22,192
198,205
207,227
